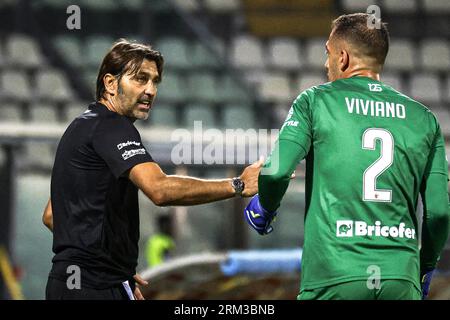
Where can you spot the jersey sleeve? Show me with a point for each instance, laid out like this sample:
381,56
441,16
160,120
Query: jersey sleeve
119,144
298,124
291,147
436,215
437,162
274,182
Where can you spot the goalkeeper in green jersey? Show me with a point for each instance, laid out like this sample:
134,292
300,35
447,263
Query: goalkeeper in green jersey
370,152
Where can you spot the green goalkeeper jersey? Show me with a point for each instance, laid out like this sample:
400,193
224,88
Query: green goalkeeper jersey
368,148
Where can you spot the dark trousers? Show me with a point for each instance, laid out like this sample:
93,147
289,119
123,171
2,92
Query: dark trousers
58,290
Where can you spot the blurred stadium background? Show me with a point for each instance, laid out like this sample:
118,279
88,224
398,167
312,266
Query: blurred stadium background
229,63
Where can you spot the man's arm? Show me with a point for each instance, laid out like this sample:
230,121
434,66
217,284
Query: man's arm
47,217
435,226
172,190
273,183
282,163
292,146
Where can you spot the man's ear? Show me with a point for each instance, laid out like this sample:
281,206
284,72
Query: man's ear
110,83
344,60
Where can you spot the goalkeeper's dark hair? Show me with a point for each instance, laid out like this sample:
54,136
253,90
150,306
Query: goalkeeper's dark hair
126,57
357,29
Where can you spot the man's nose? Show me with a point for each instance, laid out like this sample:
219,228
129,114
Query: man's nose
151,89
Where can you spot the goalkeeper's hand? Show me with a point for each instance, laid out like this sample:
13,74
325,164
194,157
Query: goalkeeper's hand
425,281
259,218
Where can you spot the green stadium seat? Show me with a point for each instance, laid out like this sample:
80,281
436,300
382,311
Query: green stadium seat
203,57
401,55
38,154
43,113
284,53
11,112
203,87
89,76
435,54
69,47
425,87
247,52
238,116
22,50
163,115
233,89
315,53
275,87
199,112
172,88
96,48
254,77
52,84
16,85
174,51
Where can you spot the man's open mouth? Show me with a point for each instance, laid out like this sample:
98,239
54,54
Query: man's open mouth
145,104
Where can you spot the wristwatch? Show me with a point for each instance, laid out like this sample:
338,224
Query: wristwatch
238,185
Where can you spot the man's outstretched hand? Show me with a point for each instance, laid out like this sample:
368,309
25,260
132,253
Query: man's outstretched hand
250,178
259,218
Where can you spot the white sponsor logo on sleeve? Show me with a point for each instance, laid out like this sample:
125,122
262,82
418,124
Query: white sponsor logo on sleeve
128,143
131,153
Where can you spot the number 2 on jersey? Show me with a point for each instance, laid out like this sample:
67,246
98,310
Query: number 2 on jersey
369,141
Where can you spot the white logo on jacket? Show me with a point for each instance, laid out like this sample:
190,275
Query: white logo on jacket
375,87
131,153
128,143
350,228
